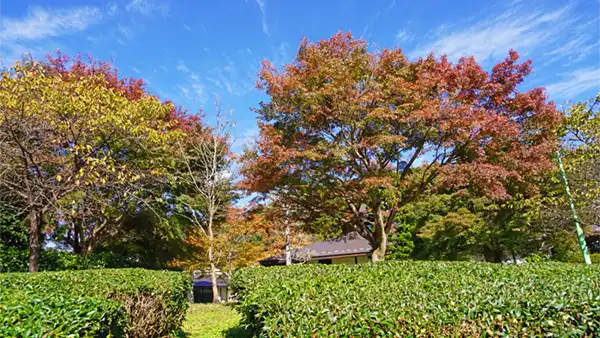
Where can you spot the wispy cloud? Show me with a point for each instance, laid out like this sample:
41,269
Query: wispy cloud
112,9
204,29
244,139
147,7
574,50
390,6
280,54
185,91
182,67
581,41
516,28
199,90
367,26
135,70
263,15
41,23
404,36
194,82
575,83
187,27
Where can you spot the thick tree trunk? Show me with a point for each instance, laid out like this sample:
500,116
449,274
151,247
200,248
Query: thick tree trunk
211,259
379,250
35,240
380,235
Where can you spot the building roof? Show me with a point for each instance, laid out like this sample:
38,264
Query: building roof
348,245
207,282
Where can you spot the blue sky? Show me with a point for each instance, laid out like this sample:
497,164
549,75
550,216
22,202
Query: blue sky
194,52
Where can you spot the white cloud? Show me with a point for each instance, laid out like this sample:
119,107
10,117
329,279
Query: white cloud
226,82
516,28
214,81
576,82
404,36
127,32
574,50
42,23
193,91
187,27
136,70
182,67
112,9
204,29
263,15
581,42
199,91
184,90
194,77
245,139
193,82
281,53
390,6
147,7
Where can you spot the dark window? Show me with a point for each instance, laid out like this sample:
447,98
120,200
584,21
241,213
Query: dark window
324,261
203,294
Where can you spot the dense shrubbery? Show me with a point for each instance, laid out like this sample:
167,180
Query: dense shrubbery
14,260
90,303
407,299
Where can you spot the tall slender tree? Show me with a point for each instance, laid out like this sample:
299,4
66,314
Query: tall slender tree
203,184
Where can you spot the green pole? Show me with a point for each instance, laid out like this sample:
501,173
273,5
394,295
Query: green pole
580,235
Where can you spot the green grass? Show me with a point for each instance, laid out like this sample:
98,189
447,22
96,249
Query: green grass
213,320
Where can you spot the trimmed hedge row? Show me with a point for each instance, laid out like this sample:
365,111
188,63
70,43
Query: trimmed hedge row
14,260
421,299
93,303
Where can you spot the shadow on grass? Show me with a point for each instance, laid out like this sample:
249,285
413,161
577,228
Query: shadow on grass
238,332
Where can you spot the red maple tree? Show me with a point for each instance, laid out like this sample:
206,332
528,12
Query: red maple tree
373,130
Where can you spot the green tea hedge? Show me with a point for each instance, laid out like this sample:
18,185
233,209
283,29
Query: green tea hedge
421,299
93,303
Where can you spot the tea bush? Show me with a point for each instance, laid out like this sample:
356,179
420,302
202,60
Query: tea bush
421,299
93,303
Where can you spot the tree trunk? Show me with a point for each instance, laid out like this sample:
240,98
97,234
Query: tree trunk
211,259
288,251
381,237
35,240
493,255
379,251
76,237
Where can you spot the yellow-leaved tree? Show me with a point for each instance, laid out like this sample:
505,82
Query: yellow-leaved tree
71,130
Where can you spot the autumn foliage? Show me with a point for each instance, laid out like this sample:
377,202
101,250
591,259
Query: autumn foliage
79,145
242,239
373,129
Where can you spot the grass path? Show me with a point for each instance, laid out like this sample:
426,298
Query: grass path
213,320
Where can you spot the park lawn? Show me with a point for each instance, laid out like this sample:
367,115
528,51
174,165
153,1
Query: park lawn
213,320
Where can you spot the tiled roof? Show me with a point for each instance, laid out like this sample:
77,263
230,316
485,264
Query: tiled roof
351,244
